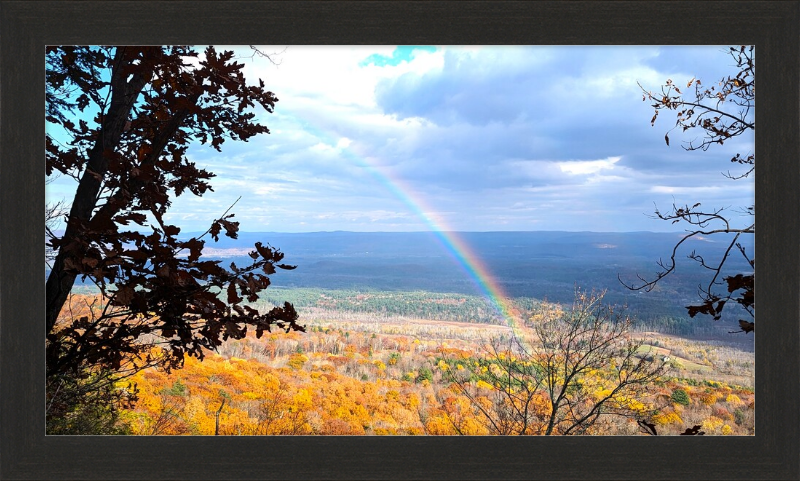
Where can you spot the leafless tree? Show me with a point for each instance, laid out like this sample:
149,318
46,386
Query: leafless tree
562,372
53,213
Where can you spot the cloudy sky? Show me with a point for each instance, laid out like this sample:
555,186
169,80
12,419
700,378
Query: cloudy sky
468,139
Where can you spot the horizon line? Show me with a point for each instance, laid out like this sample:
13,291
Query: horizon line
337,231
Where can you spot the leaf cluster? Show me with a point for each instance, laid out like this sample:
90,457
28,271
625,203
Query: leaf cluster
130,114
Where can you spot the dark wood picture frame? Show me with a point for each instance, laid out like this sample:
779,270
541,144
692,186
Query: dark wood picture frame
27,26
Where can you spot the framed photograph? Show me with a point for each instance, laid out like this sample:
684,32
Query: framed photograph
617,30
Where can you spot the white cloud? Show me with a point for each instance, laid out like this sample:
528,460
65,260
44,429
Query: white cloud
316,75
666,189
584,167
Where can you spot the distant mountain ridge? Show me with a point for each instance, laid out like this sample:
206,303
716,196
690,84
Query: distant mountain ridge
545,243
540,264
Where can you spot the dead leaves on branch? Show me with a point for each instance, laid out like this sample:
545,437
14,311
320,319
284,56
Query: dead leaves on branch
693,431
150,276
745,327
721,112
740,291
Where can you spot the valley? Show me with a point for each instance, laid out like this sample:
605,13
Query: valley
390,317
367,370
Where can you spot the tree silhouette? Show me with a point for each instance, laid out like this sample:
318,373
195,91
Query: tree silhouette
721,112
120,120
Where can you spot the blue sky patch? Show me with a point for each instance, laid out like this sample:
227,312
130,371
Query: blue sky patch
402,53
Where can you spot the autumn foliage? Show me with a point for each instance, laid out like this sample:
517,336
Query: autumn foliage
373,378
126,358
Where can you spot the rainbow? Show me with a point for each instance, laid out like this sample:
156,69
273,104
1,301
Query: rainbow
463,255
